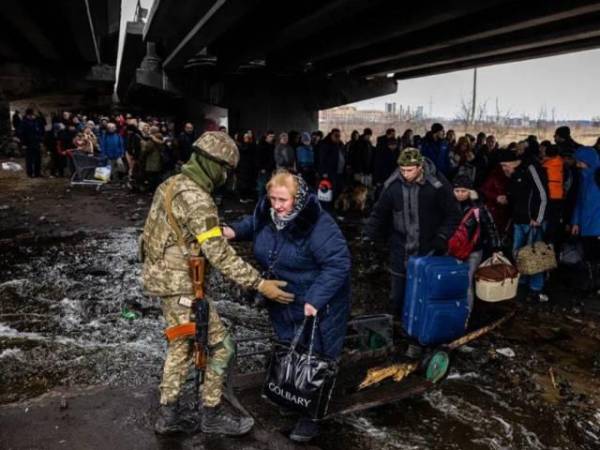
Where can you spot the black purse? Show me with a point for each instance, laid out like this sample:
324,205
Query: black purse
298,379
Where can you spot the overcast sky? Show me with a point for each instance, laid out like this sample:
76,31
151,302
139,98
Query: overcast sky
569,83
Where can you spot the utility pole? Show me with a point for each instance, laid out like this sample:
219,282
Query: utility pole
474,99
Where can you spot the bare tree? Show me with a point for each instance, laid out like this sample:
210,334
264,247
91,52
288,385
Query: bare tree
541,122
501,121
464,114
471,116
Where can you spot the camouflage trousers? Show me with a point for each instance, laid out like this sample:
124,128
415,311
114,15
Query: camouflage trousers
180,354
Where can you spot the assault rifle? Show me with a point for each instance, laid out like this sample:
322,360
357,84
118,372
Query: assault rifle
197,266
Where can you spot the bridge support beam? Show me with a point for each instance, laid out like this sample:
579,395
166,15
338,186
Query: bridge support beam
264,103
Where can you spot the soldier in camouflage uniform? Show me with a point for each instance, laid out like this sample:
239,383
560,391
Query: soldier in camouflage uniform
166,274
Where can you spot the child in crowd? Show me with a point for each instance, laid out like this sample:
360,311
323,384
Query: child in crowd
477,220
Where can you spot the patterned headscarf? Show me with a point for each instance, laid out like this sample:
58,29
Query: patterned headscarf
299,204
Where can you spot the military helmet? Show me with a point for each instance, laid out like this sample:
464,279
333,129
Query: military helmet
410,157
218,146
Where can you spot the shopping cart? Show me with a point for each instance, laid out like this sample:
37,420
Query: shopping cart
84,169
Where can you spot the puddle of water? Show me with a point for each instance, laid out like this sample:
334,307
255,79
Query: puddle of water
61,324
60,316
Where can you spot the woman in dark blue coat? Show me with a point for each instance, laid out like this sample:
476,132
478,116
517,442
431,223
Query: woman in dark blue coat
297,242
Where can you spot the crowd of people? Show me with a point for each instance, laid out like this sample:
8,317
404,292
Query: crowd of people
528,190
140,151
433,189
423,190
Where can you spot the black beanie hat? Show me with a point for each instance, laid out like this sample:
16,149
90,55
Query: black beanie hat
507,156
462,181
436,127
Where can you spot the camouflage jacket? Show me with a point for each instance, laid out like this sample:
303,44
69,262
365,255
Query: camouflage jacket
165,270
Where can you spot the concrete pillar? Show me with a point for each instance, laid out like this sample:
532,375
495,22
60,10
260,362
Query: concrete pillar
270,104
151,61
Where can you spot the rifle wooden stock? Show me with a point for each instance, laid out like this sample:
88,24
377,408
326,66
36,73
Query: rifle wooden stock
197,266
200,356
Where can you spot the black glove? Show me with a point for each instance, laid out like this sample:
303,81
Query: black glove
440,245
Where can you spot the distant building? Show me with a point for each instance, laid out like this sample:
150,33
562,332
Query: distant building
419,114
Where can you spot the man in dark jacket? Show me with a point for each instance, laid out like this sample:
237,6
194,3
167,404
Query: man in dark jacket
31,133
435,147
418,206
528,201
264,161
185,143
362,157
386,155
565,143
331,159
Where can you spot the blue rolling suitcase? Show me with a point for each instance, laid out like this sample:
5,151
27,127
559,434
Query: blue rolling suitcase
436,309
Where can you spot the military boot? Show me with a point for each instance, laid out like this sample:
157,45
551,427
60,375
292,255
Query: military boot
168,420
218,420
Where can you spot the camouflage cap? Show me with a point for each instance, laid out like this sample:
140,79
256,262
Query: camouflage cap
410,157
218,146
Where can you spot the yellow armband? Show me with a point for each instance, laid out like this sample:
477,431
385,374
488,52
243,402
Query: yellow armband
212,233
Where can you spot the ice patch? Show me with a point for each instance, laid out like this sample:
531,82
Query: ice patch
463,376
15,353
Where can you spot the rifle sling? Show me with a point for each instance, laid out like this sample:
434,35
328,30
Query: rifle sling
171,218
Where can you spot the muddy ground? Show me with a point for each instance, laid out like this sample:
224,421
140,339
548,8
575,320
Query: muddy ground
78,373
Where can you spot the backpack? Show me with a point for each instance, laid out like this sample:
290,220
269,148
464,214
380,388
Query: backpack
459,245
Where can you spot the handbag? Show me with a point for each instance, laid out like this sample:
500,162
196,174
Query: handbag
120,166
496,279
536,257
298,379
571,253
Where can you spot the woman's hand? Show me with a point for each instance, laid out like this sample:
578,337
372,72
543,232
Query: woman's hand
310,310
228,232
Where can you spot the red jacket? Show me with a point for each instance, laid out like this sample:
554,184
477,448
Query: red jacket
496,184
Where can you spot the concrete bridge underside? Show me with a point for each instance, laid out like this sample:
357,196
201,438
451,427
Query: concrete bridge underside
274,64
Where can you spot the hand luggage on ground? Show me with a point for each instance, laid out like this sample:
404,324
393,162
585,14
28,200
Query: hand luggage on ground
571,253
536,257
436,308
102,173
496,279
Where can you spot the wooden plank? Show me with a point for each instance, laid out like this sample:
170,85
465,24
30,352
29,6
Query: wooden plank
377,396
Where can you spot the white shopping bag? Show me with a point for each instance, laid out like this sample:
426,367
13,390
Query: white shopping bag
102,173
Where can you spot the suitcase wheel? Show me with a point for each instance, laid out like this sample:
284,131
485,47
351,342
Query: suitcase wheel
437,368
